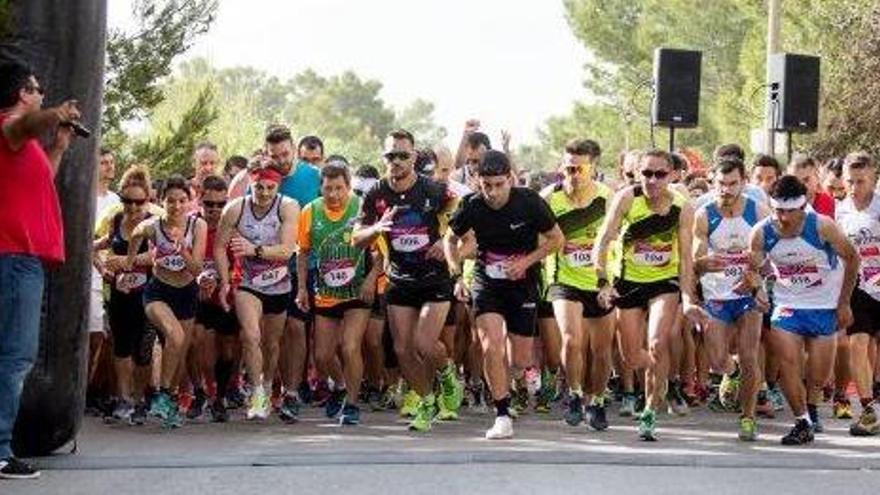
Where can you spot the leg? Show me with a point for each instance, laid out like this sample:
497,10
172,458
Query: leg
354,325
249,310
600,336
427,350
295,353
402,322
568,314
327,339
788,349
273,327
748,343
490,327
175,340
661,318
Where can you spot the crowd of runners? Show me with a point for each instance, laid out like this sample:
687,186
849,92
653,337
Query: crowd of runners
291,278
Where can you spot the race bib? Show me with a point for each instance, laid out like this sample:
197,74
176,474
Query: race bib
645,253
172,262
409,239
735,265
496,265
799,277
337,273
127,282
270,276
209,270
578,255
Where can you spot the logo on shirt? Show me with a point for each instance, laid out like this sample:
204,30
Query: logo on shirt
516,226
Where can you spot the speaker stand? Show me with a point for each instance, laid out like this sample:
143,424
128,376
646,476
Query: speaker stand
671,139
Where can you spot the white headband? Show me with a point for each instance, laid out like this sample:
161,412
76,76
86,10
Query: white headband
788,204
363,184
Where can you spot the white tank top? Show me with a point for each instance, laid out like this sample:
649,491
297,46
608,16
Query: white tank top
729,240
808,273
862,227
270,277
165,250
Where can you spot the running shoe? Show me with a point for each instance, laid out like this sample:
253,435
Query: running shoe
575,413
813,412
139,415
842,408
763,407
410,407
259,407
519,403
675,401
628,405
547,393
728,391
174,419
647,425
199,405
289,410
475,393
595,416
235,398
334,405
776,398
351,415
532,378
123,411
800,434
13,468
748,429
375,398
868,425
424,416
160,406
501,430
218,411
451,392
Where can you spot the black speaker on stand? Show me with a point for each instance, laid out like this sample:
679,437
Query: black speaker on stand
794,93
676,89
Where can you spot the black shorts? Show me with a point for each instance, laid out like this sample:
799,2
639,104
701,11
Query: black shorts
587,298
416,297
338,311
866,313
518,307
128,325
638,295
181,300
212,317
273,304
545,310
451,320
378,309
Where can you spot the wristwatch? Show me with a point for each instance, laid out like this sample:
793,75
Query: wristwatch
601,282
258,252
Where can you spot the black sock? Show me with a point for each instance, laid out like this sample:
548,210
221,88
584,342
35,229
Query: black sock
502,406
714,380
866,402
813,411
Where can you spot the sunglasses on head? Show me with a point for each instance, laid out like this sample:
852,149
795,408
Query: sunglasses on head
130,201
214,204
658,174
35,89
397,155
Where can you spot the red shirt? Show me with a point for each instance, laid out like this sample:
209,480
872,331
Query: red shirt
823,203
30,214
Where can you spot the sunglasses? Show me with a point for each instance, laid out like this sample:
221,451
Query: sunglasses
397,155
658,174
214,204
130,201
573,170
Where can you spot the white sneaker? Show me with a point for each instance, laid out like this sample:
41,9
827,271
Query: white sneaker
503,428
259,408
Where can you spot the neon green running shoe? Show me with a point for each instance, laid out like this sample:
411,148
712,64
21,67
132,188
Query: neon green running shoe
748,429
424,416
410,405
451,391
647,425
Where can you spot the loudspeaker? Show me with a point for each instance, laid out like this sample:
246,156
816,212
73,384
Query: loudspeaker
794,92
676,87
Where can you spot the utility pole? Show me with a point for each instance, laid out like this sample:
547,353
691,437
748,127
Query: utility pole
774,45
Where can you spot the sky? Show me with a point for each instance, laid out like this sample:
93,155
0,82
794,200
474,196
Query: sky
510,63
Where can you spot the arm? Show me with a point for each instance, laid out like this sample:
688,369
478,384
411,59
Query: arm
368,288
451,252
195,259
685,255
610,230
830,232
143,231
225,231
289,223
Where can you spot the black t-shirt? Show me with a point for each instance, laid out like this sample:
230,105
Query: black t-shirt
416,228
503,235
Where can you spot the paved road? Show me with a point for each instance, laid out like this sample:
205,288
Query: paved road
699,450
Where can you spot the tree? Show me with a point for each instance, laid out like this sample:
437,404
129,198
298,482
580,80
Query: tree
418,118
137,62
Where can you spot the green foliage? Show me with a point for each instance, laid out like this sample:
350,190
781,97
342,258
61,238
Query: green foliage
5,19
136,62
346,111
621,36
170,152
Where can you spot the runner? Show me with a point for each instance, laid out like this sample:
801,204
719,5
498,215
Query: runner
721,240
654,226
859,217
132,339
261,231
346,284
407,209
580,204
811,296
506,222
178,242
221,328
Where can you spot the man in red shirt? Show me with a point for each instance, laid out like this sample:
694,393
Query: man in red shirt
806,169
31,234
